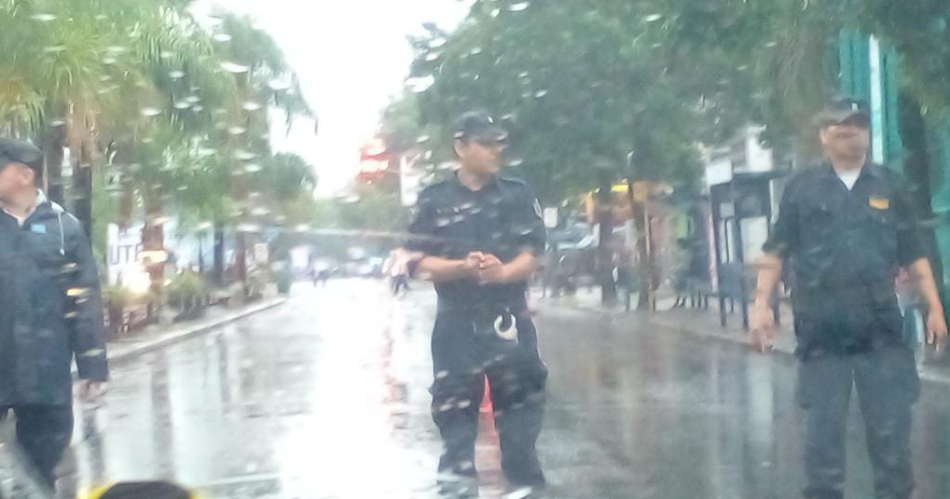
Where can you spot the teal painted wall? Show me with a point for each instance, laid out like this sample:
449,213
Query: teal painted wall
854,79
940,190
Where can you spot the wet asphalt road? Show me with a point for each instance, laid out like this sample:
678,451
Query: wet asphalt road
326,397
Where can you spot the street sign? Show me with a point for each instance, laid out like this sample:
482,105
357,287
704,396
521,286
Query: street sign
550,218
123,248
719,172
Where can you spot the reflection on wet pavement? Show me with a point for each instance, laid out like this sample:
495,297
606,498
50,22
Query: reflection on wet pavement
311,400
327,397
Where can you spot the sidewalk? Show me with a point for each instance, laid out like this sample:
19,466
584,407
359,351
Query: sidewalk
159,336
706,323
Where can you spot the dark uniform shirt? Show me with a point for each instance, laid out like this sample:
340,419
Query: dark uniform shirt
845,249
503,219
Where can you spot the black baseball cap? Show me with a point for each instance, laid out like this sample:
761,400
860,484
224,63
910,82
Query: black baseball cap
18,151
842,110
479,126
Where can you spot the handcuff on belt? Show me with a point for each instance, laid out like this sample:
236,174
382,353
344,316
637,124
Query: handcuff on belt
509,331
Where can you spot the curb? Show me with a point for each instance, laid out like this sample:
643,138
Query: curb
926,375
160,343
724,337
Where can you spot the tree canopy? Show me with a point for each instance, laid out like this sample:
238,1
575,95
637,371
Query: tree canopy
582,83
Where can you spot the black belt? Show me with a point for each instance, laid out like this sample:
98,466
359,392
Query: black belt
481,308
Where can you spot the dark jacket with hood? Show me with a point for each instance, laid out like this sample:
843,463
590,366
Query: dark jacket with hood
50,308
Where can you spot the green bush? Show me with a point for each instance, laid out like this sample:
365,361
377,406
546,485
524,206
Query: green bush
185,288
116,296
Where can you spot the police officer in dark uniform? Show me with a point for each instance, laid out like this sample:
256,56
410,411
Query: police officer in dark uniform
481,234
846,227
50,311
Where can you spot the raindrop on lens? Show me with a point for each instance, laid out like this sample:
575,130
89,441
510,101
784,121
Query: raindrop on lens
234,68
420,84
243,155
278,85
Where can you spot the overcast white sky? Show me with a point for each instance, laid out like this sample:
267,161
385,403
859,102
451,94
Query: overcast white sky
351,56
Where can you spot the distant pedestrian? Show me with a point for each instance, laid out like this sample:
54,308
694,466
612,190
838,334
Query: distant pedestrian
846,227
397,266
481,235
50,310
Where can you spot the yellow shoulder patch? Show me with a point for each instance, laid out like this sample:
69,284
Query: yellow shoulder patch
879,203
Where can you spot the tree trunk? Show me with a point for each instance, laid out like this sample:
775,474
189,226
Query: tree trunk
201,254
605,249
645,257
54,140
217,272
82,184
240,258
126,199
153,241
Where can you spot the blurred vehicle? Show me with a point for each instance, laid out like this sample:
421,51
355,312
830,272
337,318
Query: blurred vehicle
572,257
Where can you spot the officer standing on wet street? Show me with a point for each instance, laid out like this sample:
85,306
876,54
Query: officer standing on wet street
846,227
50,311
481,234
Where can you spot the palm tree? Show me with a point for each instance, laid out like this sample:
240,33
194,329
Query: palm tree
141,87
263,79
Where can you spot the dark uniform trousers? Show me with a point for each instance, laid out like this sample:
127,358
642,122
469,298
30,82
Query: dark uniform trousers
44,433
887,386
463,355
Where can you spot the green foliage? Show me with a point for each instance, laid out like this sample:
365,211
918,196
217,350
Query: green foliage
121,297
286,176
401,128
919,32
105,209
116,296
185,288
579,85
374,211
583,82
